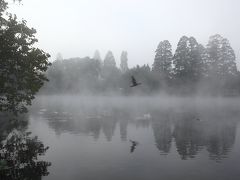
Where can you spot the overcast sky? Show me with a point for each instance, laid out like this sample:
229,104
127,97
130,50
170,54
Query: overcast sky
76,28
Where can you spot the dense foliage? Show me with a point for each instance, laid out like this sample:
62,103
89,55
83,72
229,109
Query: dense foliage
22,66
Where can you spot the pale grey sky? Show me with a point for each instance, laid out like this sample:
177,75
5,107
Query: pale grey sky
76,28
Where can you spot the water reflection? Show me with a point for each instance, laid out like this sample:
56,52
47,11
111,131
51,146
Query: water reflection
189,130
162,131
20,152
188,137
220,141
133,145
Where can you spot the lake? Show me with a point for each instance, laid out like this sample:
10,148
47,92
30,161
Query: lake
140,138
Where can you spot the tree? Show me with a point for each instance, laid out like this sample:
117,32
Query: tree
163,60
222,59
3,7
59,57
222,69
204,60
97,56
109,60
187,60
22,65
180,59
196,59
124,62
110,73
98,60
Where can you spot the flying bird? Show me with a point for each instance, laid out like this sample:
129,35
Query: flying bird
134,82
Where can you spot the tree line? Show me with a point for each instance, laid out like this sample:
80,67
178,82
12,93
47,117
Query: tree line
192,68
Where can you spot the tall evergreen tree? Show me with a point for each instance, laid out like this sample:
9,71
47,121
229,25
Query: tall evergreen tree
181,59
196,59
97,56
222,59
109,60
204,60
124,62
98,60
187,60
222,67
163,59
110,73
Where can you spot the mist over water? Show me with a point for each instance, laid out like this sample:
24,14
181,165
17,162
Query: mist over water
138,137
99,90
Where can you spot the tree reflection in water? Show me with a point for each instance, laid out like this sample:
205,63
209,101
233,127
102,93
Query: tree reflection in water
20,153
221,140
189,130
188,134
216,134
161,126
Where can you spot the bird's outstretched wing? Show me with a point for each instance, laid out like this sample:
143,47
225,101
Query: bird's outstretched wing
133,80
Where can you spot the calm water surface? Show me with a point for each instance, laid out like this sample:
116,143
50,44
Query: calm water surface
138,138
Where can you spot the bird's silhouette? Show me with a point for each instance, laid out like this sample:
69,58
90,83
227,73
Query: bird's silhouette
134,82
133,146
